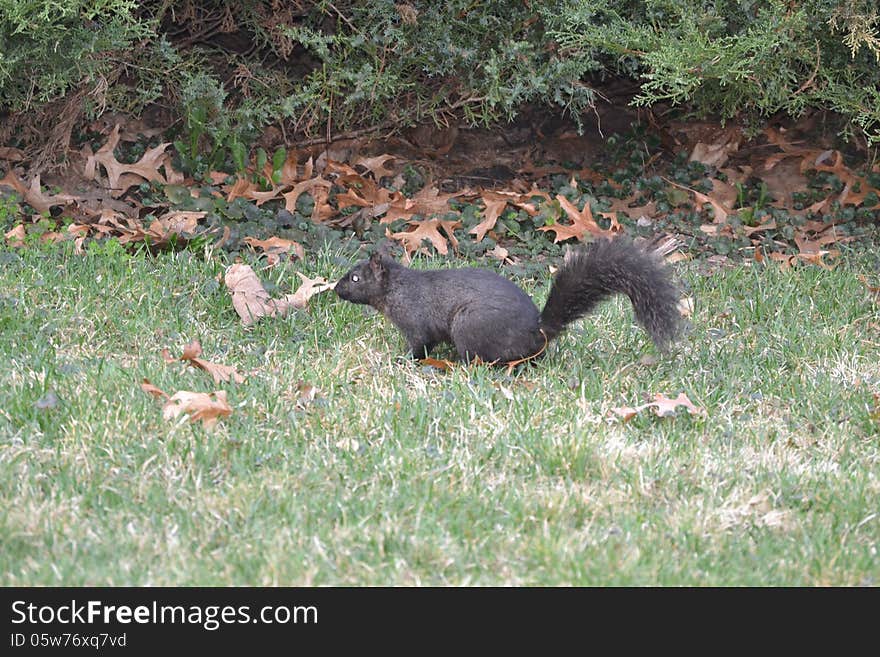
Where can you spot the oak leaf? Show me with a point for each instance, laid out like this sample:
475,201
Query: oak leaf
275,246
376,165
204,406
662,406
582,222
121,176
191,353
428,229
427,202
495,204
251,300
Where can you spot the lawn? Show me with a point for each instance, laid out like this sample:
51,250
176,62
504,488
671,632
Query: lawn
392,472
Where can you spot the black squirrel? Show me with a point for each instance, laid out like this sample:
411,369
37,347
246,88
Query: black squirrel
487,316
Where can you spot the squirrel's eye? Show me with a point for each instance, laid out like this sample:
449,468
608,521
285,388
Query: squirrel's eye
355,278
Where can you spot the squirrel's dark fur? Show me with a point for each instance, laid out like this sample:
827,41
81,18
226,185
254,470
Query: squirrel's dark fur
487,316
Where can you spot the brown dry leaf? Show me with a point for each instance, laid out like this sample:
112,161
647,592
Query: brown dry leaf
429,229
495,204
768,225
33,195
582,222
441,364
716,152
314,186
717,229
177,222
251,301
784,259
42,202
309,288
622,205
782,182
249,297
427,202
276,246
150,389
626,413
204,406
376,165
121,176
303,395
873,289
499,253
11,180
244,188
218,177
15,236
720,210
662,407
191,353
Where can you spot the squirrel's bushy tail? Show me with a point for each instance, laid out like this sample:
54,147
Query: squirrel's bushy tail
603,268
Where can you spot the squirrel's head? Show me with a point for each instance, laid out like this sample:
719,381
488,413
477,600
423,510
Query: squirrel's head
365,283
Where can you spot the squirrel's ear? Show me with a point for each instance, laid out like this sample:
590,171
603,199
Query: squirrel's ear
377,264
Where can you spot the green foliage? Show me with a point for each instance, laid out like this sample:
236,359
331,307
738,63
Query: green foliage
48,47
215,133
231,68
406,62
734,57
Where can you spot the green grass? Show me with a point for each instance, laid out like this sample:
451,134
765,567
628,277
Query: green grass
400,474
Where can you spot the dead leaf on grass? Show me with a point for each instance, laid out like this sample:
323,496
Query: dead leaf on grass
150,389
191,353
209,407
429,201
251,301
662,407
15,236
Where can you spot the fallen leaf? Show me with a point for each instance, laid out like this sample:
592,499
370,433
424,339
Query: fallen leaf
582,222
207,407
495,204
429,201
716,152
662,407
309,288
276,246
150,389
251,301
720,210
15,236
33,194
440,364
191,353
428,229
376,165
499,253
121,176
768,225
303,395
